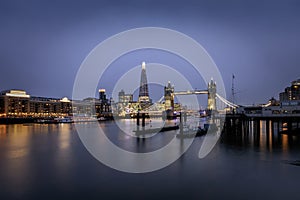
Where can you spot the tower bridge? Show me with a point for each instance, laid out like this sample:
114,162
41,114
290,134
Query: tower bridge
211,93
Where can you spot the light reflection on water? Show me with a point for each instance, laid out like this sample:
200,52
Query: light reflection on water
39,159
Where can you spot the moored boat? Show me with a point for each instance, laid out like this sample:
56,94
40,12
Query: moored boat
63,120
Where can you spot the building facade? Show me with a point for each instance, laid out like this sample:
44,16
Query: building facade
14,103
17,103
291,93
125,98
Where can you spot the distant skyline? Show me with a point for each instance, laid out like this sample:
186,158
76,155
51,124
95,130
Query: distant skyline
43,43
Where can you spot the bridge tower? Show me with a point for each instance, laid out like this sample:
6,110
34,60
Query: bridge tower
211,100
169,100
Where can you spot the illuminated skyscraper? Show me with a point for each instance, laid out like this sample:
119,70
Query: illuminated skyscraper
143,92
102,95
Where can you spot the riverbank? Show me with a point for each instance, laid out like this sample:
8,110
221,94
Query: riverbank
23,120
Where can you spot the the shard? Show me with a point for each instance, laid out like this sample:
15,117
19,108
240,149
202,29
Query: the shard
143,92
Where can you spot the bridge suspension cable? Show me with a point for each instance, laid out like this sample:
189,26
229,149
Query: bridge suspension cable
228,103
160,100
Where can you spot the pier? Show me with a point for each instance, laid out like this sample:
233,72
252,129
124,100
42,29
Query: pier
284,123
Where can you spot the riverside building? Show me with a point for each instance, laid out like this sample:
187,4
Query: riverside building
17,103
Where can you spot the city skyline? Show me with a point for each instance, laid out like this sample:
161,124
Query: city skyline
136,92
45,43
151,99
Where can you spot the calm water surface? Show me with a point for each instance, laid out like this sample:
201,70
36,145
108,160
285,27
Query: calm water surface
48,161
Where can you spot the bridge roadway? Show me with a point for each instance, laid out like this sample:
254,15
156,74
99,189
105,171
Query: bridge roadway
189,92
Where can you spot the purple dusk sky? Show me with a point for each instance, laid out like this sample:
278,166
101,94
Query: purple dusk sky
43,43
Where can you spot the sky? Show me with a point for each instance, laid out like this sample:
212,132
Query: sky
43,43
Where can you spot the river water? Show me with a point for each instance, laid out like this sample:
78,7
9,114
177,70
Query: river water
49,161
